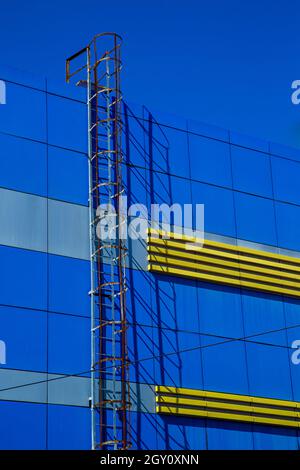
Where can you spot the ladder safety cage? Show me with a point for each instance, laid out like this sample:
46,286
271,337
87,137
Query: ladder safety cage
110,396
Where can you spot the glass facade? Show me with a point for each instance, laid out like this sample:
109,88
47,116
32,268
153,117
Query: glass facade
183,333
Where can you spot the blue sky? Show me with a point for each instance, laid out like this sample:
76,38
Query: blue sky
225,62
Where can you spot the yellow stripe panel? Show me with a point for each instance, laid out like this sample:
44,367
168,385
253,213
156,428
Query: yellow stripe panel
227,416
224,264
194,403
235,273
225,246
217,405
219,261
182,251
162,390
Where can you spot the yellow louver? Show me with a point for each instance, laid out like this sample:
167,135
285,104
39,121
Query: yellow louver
223,263
227,406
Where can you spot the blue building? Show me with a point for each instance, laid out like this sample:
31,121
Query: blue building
189,333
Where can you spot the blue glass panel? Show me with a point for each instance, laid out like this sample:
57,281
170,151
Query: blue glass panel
286,176
67,176
137,186
225,435
22,426
23,165
181,433
174,303
288,225
67,123
141,351
175,351
144,431
24,113
268,370
218,208
69,428
210,161
263,314
224,365
220,310
251,171
24,332
135,137
138,297
166,189
167,150
68,344
274,438
30,290
69,285
255,219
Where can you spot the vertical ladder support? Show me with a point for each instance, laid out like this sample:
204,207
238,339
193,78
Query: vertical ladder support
110,394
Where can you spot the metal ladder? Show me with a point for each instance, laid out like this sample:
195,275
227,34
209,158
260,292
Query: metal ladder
110,400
